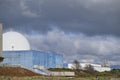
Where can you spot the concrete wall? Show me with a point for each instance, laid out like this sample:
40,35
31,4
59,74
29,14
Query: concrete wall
0,39
63,73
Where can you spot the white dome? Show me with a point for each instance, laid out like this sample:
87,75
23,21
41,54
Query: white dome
14,41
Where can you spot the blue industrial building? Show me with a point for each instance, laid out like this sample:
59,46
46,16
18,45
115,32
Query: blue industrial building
30,58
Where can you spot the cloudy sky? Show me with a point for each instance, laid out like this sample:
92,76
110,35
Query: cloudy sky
86,30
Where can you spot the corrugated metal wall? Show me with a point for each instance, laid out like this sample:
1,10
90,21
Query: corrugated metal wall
30,58
59,61
23,58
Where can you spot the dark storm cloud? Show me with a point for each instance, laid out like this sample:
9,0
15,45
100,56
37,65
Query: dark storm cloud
81,47
67,26
87,16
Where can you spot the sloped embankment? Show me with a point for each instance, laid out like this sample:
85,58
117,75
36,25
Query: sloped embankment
16,71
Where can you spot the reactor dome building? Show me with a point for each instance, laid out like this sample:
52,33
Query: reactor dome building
16,51
14,41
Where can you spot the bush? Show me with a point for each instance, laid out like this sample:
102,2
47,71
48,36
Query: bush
1,59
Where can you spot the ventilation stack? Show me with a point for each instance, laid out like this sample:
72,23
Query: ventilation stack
106,63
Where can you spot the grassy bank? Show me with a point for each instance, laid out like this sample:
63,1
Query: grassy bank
51,78
11,73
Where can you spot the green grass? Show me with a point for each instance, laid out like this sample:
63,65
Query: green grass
50,78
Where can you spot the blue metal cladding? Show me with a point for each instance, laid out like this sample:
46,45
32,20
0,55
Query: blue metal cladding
51,60
29,58
23,58
59,61
65,65
39,58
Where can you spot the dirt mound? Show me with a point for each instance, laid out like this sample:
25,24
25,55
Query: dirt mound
16,71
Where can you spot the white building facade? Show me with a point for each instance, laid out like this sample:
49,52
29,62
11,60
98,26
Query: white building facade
96,67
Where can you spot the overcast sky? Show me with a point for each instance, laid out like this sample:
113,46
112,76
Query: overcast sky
86,30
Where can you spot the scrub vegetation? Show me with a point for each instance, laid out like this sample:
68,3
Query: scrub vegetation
50,78
17,73
1,59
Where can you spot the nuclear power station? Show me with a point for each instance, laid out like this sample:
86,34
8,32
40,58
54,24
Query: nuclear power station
17,51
